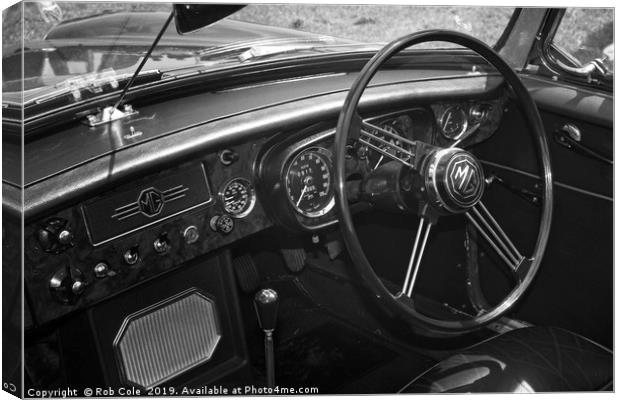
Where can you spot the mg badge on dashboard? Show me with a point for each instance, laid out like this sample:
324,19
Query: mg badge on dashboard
151,202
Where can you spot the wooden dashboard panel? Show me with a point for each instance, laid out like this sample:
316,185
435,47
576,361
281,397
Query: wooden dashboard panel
41,267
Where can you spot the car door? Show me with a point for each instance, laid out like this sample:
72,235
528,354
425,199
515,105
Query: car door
574,288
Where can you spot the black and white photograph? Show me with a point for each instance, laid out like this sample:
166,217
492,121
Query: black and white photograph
215,199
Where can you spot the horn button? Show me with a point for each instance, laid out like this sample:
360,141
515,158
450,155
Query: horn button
454,180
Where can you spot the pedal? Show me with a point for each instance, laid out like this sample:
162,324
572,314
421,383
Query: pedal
295,259
246,273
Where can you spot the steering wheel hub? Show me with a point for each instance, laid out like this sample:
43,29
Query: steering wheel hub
454,180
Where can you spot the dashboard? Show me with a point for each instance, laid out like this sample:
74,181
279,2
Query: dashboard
150,225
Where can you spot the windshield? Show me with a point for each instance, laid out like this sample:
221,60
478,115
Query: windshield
69,45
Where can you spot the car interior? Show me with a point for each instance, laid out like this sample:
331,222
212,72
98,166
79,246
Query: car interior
389,220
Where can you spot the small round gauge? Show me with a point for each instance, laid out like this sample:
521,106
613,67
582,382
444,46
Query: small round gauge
309,184
238,197
453,122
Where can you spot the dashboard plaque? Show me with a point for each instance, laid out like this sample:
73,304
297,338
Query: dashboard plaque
140,204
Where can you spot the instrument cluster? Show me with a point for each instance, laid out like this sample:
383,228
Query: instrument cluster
296,173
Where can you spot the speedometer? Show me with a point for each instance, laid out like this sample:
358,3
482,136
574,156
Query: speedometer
309,184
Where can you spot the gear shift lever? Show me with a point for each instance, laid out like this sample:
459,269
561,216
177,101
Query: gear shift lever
266,305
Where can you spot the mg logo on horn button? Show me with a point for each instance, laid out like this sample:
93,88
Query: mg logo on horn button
463,178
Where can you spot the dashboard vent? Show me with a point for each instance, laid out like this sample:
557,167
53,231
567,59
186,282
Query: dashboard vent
157,344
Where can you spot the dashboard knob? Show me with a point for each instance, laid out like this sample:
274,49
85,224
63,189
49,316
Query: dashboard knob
101,269
191,234
78,287
131,256
55,236
65,237
67,285
45,238
161,244
223,224
228,156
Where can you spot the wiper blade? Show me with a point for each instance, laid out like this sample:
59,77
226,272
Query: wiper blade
267,51
265,45
113,113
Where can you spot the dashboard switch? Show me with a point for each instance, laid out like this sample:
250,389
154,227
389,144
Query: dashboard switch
131,256
161,244
191,234
78,287
55,236
65,237
228,156
223,224
67,284
101,269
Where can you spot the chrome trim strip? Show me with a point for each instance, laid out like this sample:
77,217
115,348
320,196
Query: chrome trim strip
560,184
280,81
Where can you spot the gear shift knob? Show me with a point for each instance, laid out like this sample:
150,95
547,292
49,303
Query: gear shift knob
266,305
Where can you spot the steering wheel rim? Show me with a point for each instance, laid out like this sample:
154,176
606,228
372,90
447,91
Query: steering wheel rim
347,121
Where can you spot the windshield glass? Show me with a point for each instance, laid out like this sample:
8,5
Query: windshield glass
70,45
378,23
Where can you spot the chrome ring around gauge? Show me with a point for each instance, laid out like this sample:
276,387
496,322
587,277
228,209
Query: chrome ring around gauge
453,122
238,197
308,182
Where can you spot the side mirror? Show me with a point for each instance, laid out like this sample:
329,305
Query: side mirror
191,17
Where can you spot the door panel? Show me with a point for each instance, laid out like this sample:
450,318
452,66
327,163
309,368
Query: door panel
574,288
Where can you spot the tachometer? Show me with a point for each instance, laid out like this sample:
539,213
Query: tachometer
238,197
309,184
453,122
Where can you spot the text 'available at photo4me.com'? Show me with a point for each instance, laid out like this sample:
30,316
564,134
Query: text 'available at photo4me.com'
213,390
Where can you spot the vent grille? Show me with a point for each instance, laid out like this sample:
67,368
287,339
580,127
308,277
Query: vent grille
156,344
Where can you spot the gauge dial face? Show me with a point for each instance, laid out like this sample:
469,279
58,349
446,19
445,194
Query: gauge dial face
453,122
309,184
238,197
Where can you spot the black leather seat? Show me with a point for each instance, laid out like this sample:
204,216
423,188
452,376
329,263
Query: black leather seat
536,359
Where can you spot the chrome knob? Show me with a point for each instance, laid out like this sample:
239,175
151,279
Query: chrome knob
266,304
65,237
131,256
161,244
78,287
67,284
101,269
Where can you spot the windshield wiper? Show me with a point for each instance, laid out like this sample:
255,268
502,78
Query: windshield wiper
144,59
113,113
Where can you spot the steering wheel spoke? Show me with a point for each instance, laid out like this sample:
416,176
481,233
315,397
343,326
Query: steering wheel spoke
378,139
417,252
490,229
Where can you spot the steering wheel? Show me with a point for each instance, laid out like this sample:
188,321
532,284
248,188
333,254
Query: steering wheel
433,182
